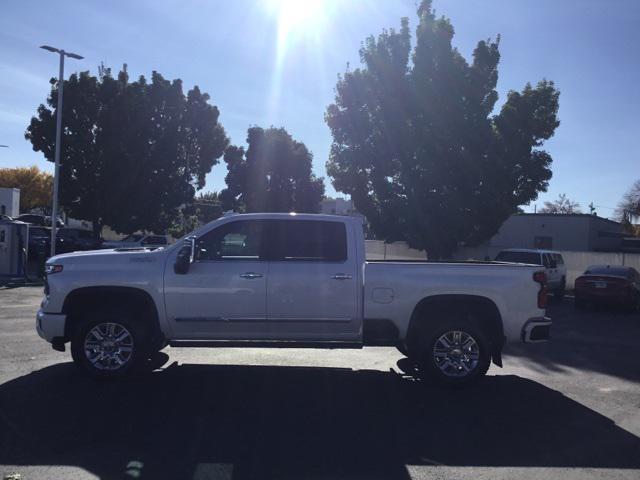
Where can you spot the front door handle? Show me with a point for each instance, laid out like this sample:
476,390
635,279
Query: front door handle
341,276
250,275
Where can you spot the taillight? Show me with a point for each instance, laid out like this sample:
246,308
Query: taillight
541,278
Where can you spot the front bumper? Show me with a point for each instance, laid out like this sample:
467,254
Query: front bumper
50,325
536,330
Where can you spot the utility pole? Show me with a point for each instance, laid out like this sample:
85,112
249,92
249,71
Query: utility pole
56,174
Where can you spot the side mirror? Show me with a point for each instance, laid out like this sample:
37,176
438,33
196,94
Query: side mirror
185,257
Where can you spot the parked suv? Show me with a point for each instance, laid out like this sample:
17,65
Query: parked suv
553,263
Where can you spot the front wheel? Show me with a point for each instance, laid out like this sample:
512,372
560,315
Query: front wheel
108,345
455,354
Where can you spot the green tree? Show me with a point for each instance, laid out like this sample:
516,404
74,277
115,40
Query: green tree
628,211
417,146
272,175
629,206
562,205
35,186
203,209
132,152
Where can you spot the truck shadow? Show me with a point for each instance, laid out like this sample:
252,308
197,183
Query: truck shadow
597,340
197,421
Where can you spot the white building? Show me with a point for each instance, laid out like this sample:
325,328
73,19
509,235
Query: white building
10,201
337,206
574,232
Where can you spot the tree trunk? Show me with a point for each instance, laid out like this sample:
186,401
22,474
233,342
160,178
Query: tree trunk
97,227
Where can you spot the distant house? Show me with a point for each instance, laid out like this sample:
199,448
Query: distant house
575,232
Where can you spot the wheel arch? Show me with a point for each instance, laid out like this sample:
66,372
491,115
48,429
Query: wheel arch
133,299
485,313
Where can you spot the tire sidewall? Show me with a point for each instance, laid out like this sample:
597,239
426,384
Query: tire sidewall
114,316
427,364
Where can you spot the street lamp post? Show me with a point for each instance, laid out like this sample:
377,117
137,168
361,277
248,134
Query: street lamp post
56,176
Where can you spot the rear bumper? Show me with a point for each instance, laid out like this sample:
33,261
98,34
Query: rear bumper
50,325
604,298
536,330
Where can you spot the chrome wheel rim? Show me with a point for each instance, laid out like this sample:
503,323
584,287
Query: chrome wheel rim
108,346
456,354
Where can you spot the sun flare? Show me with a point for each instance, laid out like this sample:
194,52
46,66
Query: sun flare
301,17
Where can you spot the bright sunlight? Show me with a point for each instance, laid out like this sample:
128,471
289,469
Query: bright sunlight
299,17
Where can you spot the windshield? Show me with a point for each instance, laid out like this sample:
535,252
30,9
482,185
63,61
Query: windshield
519,257
611,271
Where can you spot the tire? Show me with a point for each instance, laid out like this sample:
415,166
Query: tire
455,353
109,344
558,294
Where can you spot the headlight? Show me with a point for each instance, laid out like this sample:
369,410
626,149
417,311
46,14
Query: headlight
51,269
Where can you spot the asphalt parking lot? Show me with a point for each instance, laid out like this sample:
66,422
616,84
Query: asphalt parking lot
570,407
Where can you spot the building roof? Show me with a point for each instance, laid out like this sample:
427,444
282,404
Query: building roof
556,215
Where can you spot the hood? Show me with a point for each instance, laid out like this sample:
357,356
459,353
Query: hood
113,254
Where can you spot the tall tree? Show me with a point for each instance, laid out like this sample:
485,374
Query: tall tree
629,207
417,146
132,152
272,175
35,186
561,205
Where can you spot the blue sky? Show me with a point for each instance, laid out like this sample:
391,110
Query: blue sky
266,66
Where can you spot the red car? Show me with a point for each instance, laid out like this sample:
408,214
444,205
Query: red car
613,285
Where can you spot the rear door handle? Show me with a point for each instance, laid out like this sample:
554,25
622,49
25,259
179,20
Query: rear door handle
250,275
341,276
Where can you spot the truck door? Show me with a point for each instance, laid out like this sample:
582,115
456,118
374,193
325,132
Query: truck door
313,280
223,295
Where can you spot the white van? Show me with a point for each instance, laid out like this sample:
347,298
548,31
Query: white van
552,261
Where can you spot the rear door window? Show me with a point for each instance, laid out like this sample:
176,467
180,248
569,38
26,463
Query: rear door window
308,240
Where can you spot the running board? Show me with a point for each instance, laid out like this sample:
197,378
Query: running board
263,344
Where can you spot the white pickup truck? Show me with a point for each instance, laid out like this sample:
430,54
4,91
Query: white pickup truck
287,280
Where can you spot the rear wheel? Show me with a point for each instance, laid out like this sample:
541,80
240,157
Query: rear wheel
108,344
455,353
